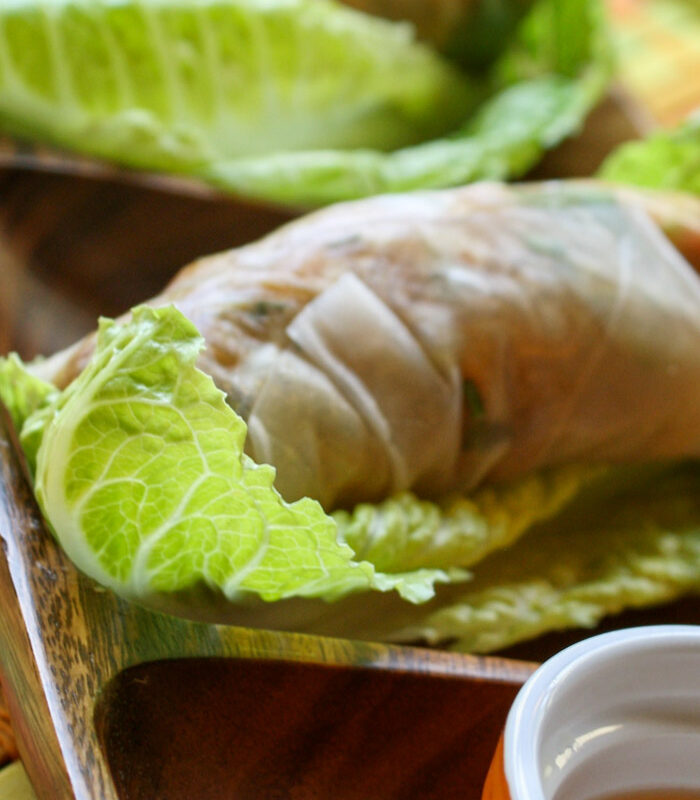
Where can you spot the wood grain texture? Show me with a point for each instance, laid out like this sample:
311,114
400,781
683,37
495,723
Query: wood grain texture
24,689
8,745
363,715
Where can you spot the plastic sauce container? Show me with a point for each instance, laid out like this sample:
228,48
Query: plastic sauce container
614,717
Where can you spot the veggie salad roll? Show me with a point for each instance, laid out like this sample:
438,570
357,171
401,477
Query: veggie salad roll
465,416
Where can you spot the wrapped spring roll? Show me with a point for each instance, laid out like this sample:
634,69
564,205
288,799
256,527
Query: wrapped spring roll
505,338
435,341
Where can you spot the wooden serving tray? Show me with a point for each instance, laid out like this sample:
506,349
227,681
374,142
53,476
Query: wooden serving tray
111,701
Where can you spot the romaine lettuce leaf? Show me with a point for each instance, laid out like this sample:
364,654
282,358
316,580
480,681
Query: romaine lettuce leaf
630,540
21,392
174,85
25,395
405,532
139,468
503,139
294,101
142,476
540,91
668,159
636,548
123,433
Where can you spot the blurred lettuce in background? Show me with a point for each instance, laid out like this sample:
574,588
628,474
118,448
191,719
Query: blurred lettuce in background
668,159
657,45
302,102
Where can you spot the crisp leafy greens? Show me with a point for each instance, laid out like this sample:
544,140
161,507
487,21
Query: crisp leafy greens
405,532
503,139
142,475
22,392
669,159
140,471
154,493
294,101
632,549
175,85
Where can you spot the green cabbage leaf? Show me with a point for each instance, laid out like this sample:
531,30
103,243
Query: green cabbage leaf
292,101
668,159
140,472
635,548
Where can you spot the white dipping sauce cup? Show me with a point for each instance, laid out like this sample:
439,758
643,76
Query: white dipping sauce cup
614,713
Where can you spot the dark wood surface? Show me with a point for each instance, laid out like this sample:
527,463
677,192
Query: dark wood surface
77,246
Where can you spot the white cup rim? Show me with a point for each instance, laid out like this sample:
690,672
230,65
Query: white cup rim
528,712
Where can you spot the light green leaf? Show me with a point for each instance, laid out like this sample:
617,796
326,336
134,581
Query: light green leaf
25,396
635,549
541,89
21,391
174,85
406,533
142,476
505,139
294,101
669,159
